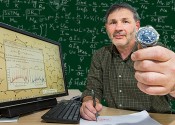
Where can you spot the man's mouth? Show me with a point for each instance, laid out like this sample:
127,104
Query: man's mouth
118,36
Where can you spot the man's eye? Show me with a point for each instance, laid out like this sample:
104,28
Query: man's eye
113,23
125,21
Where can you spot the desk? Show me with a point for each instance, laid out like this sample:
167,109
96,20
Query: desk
35,118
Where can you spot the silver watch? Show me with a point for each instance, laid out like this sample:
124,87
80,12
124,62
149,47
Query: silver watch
147,36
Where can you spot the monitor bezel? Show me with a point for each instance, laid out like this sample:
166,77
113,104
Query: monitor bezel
41,98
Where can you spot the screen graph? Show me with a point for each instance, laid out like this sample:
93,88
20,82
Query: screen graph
29,67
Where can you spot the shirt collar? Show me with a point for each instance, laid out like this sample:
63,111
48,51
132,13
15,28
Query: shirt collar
115,52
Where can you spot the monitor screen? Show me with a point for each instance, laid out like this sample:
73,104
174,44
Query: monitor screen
31,68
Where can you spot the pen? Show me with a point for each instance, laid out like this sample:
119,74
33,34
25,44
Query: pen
94,102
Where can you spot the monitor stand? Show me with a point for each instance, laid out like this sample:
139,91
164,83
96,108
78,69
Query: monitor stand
22,109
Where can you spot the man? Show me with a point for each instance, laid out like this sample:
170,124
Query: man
125,76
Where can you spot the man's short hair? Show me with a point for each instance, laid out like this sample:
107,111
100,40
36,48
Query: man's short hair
118,6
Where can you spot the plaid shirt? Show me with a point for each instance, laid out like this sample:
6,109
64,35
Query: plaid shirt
112,79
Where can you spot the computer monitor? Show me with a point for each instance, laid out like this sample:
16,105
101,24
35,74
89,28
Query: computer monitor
31,72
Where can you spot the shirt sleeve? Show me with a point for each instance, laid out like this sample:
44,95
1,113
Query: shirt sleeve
94,79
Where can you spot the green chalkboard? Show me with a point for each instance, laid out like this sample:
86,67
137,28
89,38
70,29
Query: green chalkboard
79,26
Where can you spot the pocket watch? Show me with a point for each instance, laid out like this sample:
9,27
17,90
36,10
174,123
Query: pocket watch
147,36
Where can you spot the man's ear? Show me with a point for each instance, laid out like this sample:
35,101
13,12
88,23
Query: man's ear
137,28
105,26
137,25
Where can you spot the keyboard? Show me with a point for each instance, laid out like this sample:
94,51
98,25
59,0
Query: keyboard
67,111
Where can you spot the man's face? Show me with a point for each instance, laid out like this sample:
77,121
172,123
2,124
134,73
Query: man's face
121,27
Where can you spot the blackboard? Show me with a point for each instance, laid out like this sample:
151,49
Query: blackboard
79,26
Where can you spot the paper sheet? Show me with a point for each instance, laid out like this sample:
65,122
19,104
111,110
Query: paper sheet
140,118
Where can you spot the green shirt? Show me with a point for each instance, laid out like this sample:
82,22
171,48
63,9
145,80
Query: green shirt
112,79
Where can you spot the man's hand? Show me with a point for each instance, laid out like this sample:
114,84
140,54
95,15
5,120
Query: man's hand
155,70
87,111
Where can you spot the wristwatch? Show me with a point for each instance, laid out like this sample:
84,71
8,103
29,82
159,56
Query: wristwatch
147,36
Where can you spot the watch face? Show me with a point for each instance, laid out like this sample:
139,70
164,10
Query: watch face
147,36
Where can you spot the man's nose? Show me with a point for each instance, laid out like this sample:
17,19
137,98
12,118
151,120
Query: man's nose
118,26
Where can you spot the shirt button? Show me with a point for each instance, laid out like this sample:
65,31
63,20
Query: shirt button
120,90
119,76
120,105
